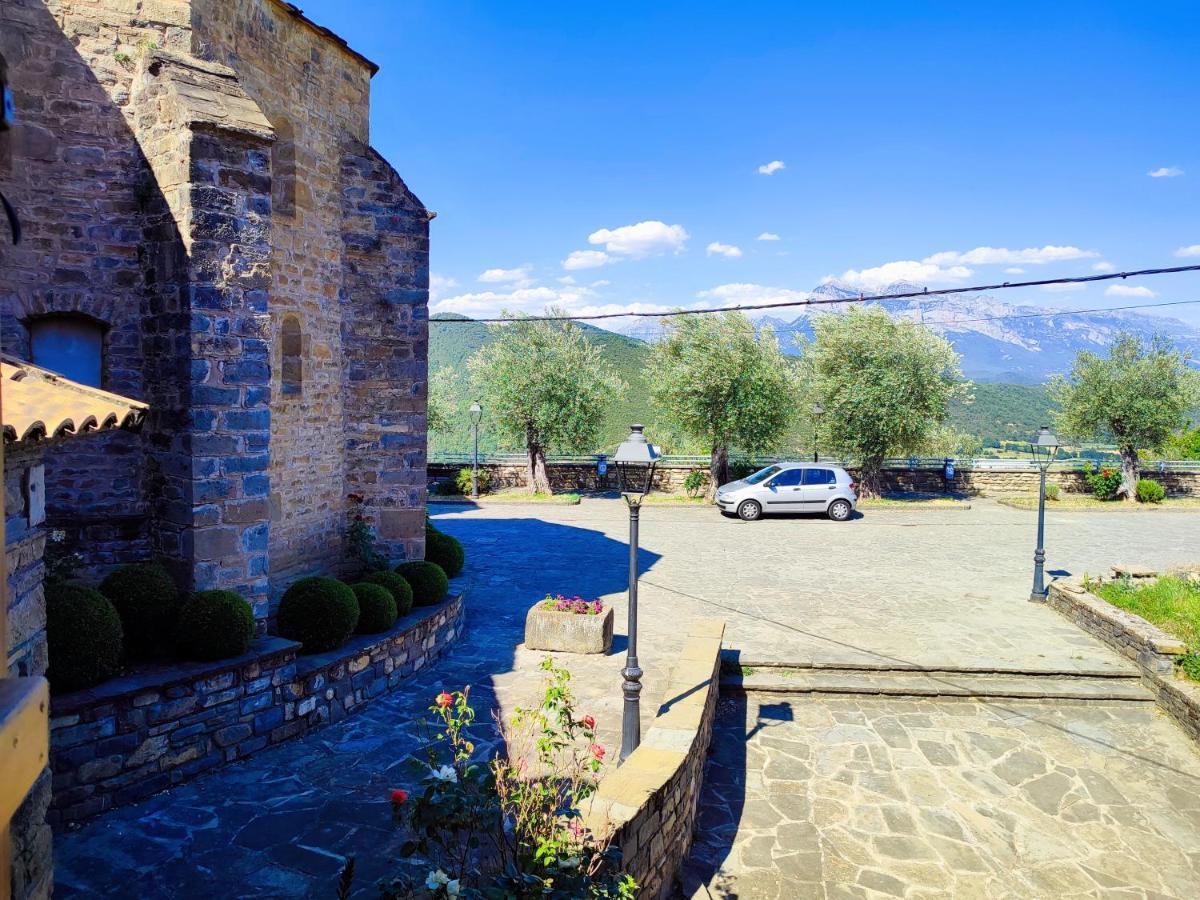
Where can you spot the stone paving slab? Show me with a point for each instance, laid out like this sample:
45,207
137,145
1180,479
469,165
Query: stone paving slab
871,797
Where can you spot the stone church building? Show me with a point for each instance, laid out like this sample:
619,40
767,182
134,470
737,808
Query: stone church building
207,230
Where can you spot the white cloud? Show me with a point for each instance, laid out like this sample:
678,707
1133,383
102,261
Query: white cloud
602,282
585,259
641,240
1125,290
729,251
1165,172
1103,266
902,270
439,285
767,236
1193,250
746,293
988,256
772,167
491,302
566,279
505,276
1014,271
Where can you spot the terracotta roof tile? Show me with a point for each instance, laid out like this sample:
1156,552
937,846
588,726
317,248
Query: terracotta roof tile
38,405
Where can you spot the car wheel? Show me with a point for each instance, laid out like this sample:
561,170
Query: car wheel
749,510
839,510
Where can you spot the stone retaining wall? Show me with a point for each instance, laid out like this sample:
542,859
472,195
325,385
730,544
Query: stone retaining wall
979,482
650,801
1153,650
141,733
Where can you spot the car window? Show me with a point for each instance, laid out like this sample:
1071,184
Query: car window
819,476
787,478
762,475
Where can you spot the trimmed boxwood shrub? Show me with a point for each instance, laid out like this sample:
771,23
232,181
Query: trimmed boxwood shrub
214,625
428,580
444,550
377,607
147,601
395,584
84,635
318,612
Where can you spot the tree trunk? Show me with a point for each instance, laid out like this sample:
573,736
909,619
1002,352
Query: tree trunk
1129,473
718,471
536,476
870,478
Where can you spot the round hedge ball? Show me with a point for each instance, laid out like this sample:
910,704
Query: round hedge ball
318,612
84,635
377,605
428,580
147,601
214,625
400,590
444,550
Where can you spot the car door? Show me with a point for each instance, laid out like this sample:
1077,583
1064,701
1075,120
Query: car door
783,492
818,488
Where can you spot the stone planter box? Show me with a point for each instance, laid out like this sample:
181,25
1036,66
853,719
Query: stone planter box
566,632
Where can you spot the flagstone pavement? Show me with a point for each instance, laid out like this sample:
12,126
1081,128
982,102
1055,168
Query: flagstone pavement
893,588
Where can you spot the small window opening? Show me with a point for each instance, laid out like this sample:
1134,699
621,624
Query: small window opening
71,345
292,347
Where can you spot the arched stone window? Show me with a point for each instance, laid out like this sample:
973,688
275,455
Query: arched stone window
283,170
70,344
292,346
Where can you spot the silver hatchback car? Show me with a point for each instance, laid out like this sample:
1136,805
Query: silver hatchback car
791,488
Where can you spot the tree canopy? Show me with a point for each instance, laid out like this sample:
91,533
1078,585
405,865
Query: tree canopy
719,382
1136,397
544,386
884,386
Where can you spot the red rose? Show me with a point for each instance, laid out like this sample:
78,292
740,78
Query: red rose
588,722
597,751
443,700
399,796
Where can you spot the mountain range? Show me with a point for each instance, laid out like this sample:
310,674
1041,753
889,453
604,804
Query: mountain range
999,341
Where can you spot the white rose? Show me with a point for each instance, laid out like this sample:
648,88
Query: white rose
437,879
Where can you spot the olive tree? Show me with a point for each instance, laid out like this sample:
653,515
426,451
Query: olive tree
443,401
1136,397
885,386
720,383
545,386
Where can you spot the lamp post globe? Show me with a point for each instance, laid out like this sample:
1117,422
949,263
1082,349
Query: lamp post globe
476,413
635,461
1044,447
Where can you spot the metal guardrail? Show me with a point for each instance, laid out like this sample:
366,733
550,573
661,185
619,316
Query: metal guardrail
916,462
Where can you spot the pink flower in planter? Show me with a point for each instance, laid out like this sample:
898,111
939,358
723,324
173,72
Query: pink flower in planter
597,751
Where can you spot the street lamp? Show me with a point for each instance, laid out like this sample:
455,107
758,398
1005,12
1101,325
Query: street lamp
476,413
635,460
817,410
1045,447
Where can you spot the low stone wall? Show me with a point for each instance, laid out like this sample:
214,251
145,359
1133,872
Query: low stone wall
650,801
978,482
144,732
1153,650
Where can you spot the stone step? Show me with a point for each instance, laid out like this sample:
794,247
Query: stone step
783,680
732,659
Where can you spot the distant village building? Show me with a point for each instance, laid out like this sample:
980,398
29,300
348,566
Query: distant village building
208,230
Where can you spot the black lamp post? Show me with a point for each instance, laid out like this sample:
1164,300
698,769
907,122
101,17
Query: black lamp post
476,413
817,410
1045,447
635,460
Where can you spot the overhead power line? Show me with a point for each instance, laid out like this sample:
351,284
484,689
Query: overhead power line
830,301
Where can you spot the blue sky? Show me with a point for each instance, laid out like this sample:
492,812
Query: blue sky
909,134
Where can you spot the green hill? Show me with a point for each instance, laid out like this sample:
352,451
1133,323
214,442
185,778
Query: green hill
999,412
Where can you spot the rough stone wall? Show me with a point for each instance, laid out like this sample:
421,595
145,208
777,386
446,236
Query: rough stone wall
650,802
316,96
385,349
982,482
77,177
23,548
142,733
